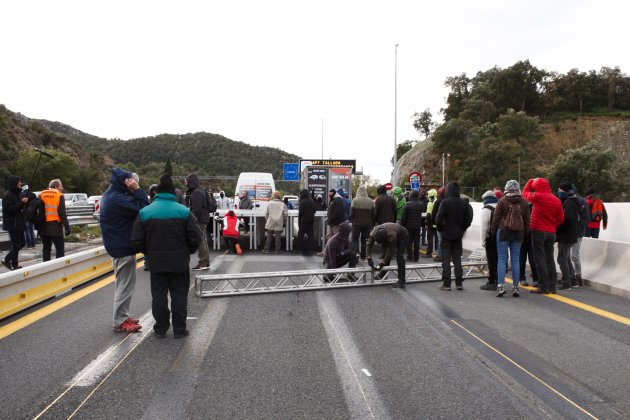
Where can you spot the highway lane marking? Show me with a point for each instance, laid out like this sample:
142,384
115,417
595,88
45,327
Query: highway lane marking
584,306
35,316
513,362
367,373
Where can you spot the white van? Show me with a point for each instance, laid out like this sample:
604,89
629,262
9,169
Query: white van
259,187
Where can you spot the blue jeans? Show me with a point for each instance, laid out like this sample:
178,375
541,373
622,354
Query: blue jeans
515,252
591,233
29,233
439,243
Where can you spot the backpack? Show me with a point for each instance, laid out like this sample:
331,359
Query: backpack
491,208
514,219
597,210
35,213
584,215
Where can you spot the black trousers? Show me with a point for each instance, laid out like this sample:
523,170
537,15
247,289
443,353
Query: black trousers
17,243
413,245
360,235
47,242
452,250
177,284
542,242
527,252
431,239
493,258
230,243
305,245
401,249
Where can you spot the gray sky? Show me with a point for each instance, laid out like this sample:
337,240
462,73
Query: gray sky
268,72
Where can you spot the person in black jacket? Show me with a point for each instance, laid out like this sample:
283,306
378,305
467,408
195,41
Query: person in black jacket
412,220
198,202
12,219
453,218
567,232
168,233
393,238
335,215
306,220
384,207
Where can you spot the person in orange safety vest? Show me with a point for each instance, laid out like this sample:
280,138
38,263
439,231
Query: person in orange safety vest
56,220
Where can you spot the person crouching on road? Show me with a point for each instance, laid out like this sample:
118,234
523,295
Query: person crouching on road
229,230
338,251
168,233
393,238
56,220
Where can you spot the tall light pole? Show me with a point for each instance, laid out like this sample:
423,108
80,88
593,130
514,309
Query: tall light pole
322,139
395,112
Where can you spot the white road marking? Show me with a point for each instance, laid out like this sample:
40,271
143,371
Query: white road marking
367,373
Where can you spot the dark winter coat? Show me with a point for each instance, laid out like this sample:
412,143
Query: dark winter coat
338,244
412,212
197,199
384,208
167,233
306,212
335,211
454,215
362,209
12,206
395,234
567,231
119,209
499,217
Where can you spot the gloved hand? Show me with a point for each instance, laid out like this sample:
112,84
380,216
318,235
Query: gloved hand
370,262
67,230
380,266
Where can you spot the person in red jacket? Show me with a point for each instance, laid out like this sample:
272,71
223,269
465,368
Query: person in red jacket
229,229
594,203
547,214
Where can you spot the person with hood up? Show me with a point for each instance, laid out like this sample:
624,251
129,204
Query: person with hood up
400,200
120,205
168,233
453,218
223,203
338,251
346,204
598,214
430,222
423,232
13,202
361,217
306,222
229,230
384,207
509,224
567,233
546,215
489,241
393,238
335,215
198,201
275,216
434,212
411,219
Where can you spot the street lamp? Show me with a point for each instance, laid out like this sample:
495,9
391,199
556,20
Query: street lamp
395,111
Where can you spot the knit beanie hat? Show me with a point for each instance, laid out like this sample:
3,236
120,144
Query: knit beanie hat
166,185
590,191
567,187
489,193
512,186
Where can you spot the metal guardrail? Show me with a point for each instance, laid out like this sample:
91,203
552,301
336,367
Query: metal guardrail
77,216
218,285
20,289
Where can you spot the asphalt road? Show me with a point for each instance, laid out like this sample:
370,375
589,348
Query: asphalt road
361,353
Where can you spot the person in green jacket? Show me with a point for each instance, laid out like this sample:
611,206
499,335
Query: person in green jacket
400,200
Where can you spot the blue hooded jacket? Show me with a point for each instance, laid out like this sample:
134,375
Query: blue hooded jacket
119,209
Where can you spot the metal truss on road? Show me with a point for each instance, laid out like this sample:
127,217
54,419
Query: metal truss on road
218,285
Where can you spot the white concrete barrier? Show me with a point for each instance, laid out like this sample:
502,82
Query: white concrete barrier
605,261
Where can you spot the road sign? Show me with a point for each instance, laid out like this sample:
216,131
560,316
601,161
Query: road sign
415,179
291,171
389,186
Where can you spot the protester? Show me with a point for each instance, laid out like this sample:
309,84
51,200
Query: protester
56,220
384,207
438,234
199,203
223,203
275,216
411,220
120,205
430,222
338,251
29,223
230,231
12,220
168,233
583,221
346,203
566,233
393,238
288,203
423,233
306,222
453,218
335,215
361,217
510,221
527,254
546,215
598,214
400,200
488,240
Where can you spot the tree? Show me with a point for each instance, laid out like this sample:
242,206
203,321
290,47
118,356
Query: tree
366,180
168,168
423,122
402,148
460,92
592,166
61,166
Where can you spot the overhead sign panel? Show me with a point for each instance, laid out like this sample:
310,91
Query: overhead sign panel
328,162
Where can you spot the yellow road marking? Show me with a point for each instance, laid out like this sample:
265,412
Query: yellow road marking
585,307
35,316
555,391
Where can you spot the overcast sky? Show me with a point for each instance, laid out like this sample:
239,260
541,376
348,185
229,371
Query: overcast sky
268,72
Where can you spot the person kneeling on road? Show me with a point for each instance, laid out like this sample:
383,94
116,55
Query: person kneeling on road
230,224
393,238
338,251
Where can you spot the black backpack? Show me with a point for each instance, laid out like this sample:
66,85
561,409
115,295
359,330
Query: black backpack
34,212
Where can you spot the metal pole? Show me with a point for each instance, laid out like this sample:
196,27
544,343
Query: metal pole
322,139
442,169
395,112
